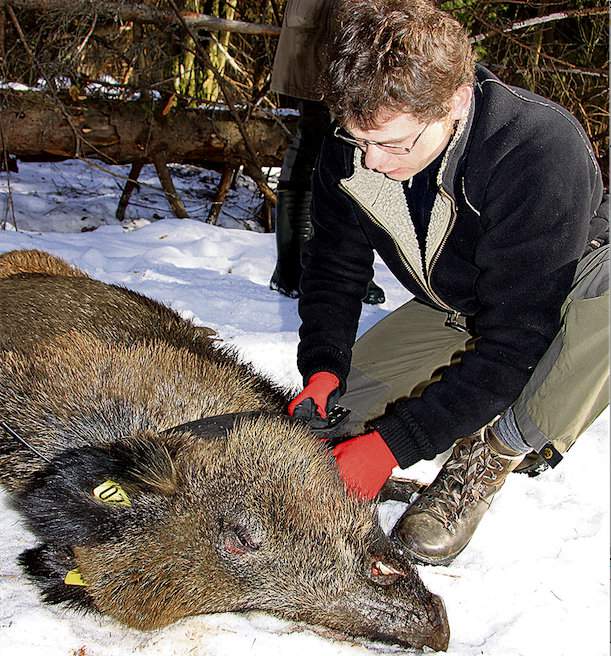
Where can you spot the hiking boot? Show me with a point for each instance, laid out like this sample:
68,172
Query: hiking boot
293,229
439,525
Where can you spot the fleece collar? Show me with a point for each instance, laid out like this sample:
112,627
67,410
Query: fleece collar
384,202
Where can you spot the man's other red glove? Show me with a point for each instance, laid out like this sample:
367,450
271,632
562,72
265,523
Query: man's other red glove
365,462
318,396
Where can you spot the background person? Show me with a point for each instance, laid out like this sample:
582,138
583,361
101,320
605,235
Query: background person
299,60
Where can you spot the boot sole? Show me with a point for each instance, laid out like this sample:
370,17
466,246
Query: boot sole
285,291
424,560
531,466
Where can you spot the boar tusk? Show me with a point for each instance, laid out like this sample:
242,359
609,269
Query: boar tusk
387,570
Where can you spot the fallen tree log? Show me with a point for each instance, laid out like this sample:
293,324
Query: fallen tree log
35,127
143,13
38,127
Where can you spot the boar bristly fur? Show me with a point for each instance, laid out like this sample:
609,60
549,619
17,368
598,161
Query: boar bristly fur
101,382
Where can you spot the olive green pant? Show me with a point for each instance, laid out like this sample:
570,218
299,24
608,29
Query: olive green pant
409,348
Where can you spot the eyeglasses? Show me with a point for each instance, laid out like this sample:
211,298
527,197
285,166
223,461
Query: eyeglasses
342,134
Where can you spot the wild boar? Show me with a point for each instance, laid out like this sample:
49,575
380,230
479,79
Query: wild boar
164,480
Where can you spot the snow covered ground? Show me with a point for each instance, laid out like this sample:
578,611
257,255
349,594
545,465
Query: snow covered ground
533,582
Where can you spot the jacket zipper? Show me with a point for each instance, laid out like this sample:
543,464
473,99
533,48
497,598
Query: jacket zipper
452,314
452,320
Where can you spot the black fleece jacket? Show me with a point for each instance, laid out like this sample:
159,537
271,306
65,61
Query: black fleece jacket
528,201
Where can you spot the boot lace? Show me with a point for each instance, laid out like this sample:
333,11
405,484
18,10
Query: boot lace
467,477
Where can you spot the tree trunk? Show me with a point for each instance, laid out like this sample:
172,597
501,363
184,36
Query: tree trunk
125,132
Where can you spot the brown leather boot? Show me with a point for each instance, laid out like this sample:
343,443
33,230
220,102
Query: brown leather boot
439,525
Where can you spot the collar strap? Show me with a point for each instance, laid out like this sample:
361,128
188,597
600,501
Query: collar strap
214,427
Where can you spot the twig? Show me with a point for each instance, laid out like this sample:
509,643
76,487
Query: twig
234,64
538,20
80,49
130,185
221,194
550,70
525,46
276,11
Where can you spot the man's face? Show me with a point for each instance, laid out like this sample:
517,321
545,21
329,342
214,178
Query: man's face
403,130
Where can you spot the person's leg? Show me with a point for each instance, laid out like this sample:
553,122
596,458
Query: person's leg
398,357
567,391
294,196
570,385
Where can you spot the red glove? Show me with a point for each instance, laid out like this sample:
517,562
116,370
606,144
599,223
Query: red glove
318,396
365,462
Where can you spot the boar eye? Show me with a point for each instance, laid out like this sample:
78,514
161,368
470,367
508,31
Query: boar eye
238,540
246,539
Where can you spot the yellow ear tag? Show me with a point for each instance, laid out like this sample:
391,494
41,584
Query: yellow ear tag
113,493
73,577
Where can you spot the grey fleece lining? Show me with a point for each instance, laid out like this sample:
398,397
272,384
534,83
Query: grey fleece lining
383,199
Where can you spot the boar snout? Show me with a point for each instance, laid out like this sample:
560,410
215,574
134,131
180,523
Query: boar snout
427,625
402,608
402,613
435,634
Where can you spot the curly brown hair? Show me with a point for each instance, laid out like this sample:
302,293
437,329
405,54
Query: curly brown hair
389,56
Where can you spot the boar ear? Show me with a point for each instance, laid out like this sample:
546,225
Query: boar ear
151,466
87,496
48,566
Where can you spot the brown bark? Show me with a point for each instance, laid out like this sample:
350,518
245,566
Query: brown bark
141,13
124,132
221,194
167,184
130,185
2,32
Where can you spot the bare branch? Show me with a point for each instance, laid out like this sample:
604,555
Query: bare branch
552,70
167,184
2,29
141,13
539,20
85,41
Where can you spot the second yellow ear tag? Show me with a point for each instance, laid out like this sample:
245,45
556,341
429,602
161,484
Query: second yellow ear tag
73,577
113,493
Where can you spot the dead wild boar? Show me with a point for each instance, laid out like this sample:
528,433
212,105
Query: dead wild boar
163,479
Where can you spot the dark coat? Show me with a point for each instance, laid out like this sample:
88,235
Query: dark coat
519,202
300,54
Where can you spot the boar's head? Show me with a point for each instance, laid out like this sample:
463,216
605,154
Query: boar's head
254,519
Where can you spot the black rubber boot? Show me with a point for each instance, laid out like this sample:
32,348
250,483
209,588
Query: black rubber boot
293,229
375,294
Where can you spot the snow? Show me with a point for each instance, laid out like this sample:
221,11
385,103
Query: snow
534,580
